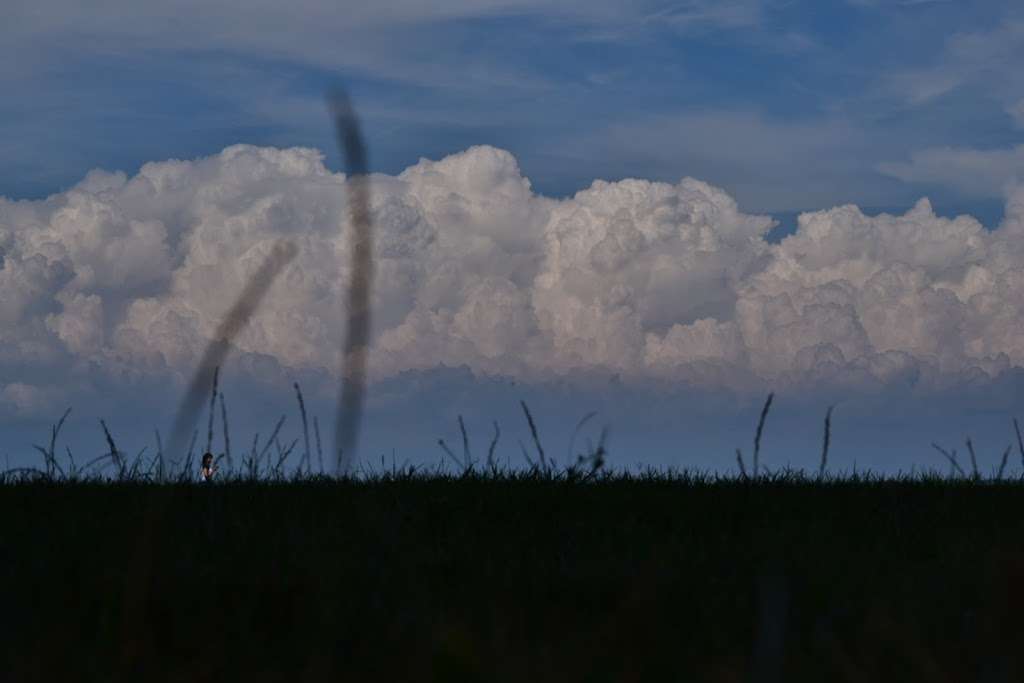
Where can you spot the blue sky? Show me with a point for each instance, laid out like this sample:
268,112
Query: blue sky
785,106
788,105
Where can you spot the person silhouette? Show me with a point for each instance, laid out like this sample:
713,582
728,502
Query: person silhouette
208,469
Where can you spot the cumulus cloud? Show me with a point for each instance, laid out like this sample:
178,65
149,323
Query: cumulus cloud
129,276
626,262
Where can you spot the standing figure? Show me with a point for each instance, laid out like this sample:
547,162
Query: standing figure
208,469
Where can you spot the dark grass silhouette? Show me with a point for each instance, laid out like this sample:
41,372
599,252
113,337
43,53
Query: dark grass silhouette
519,576
553,572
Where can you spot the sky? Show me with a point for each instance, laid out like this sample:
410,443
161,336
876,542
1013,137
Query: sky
656,211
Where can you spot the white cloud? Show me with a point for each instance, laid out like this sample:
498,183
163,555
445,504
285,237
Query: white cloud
744,149
23,399
695,14
973,172
400,40
629,259
654,281
987,56
1016,112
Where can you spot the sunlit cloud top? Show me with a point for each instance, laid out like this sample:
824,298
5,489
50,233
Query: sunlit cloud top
651,280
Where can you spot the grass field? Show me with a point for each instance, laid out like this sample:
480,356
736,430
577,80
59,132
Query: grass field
514,578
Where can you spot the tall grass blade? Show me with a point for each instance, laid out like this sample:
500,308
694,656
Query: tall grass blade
490,450
270,441
448,452
1020,445
824,446
306,458
1002,462
213,407
760,429
974,460
159,456
536,438
575,432
227,432
467,457
319,450
114,453
951,457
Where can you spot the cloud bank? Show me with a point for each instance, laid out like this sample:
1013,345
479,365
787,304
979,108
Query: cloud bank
121,278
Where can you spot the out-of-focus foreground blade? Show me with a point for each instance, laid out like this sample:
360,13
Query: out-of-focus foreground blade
282,252
357,313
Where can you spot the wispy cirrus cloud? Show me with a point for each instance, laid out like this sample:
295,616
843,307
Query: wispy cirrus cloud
771,164
91,86
1016,112
972,172
968,58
